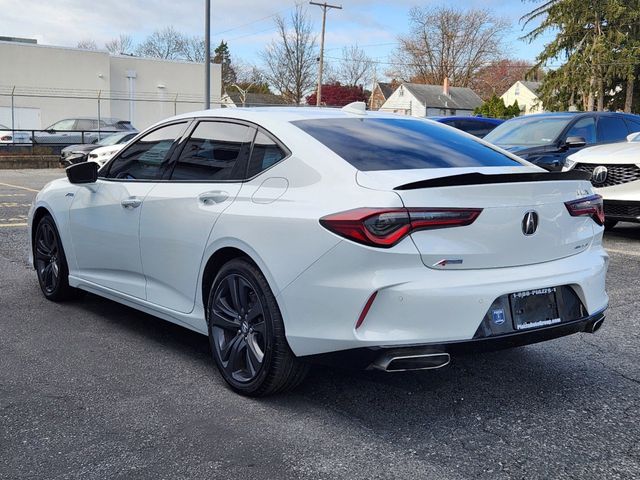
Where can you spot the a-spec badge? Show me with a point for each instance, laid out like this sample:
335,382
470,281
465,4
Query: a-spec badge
448,261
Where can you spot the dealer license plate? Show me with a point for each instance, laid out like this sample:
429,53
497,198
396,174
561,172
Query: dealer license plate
534,308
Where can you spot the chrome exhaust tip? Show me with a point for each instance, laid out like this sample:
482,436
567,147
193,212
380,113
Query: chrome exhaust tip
595,325
399,362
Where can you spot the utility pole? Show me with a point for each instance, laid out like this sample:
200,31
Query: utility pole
321,64
207,54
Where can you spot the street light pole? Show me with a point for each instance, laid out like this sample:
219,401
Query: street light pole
207,54
321,64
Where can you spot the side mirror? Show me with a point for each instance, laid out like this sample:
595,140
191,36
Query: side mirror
575,142
84,172
633,137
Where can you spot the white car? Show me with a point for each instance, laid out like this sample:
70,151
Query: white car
295,235
615,173
14,136
102,155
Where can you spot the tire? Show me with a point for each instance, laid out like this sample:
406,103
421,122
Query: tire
609,224
246,333
51,263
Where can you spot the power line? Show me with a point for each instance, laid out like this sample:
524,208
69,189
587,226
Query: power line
297,4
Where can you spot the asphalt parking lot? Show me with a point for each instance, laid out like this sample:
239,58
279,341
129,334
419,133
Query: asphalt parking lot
93,390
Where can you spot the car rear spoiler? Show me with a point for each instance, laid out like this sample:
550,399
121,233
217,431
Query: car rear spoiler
482,179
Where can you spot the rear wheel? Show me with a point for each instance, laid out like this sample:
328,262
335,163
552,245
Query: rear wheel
51,263
609,224
246,333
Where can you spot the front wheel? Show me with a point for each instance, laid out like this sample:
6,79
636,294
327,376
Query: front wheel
246,333
51,263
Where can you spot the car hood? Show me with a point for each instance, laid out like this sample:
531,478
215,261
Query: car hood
83,147
612,153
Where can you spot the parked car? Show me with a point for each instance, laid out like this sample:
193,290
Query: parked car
296,235
8,136
615,174
478,126
80,130
103,154
80,153
547,139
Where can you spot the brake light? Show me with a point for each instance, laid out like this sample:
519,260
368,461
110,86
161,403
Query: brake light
591,206
385,227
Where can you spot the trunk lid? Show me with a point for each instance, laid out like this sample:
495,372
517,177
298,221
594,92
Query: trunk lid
496,238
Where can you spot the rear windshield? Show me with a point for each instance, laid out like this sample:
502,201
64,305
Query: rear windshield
400,144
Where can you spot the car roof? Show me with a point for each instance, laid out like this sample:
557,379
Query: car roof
493,121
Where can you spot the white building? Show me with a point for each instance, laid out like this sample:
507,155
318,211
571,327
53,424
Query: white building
526,93
420,100
47,84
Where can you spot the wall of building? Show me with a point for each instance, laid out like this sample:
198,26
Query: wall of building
527,100
66,82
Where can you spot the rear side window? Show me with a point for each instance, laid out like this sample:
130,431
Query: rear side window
215,151
265,153
146,158
611,129
400,144
632,124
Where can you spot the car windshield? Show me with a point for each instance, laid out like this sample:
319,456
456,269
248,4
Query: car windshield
530,131
111,139
401,144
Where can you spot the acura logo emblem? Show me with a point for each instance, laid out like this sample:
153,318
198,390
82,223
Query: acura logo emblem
600,174
530,223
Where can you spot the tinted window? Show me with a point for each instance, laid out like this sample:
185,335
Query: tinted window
146,158
585,128
395,144
265,153
611,129
632,124
85,124
215,151
63,125
474,127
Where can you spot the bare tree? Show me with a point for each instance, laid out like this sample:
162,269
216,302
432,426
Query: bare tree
355,66
87,44
193,49
446,42
290,60
167,43
122,45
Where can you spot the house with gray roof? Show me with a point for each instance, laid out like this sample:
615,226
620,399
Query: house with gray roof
381,92
420,100
235,99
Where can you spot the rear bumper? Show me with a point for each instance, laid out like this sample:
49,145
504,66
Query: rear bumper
416,305
363,358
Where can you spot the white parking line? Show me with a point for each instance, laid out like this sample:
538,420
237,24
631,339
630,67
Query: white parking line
623,252
18,186
13,225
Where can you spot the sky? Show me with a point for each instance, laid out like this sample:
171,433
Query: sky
247,25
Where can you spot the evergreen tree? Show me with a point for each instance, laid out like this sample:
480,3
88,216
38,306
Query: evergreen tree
223,57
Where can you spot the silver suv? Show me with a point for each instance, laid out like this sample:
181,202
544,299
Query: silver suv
80,130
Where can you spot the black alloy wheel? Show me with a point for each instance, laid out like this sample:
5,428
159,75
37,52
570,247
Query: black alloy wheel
50,262
246,333
238,328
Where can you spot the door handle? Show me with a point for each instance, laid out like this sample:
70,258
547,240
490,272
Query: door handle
209,198
131,203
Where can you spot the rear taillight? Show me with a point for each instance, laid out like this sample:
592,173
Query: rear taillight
6,138
385,227
591,206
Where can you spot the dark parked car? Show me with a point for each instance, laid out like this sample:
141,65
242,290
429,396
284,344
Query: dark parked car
80,130
547,139
78,153
478,126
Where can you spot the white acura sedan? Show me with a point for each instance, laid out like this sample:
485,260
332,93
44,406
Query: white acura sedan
299,235
615,174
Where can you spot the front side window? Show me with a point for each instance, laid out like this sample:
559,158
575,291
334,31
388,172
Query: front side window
611,129
585,128
215,151
400,144
265,153
63,125
147,158
87,124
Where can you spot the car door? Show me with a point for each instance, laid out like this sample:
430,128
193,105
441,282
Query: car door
105,216
179,215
